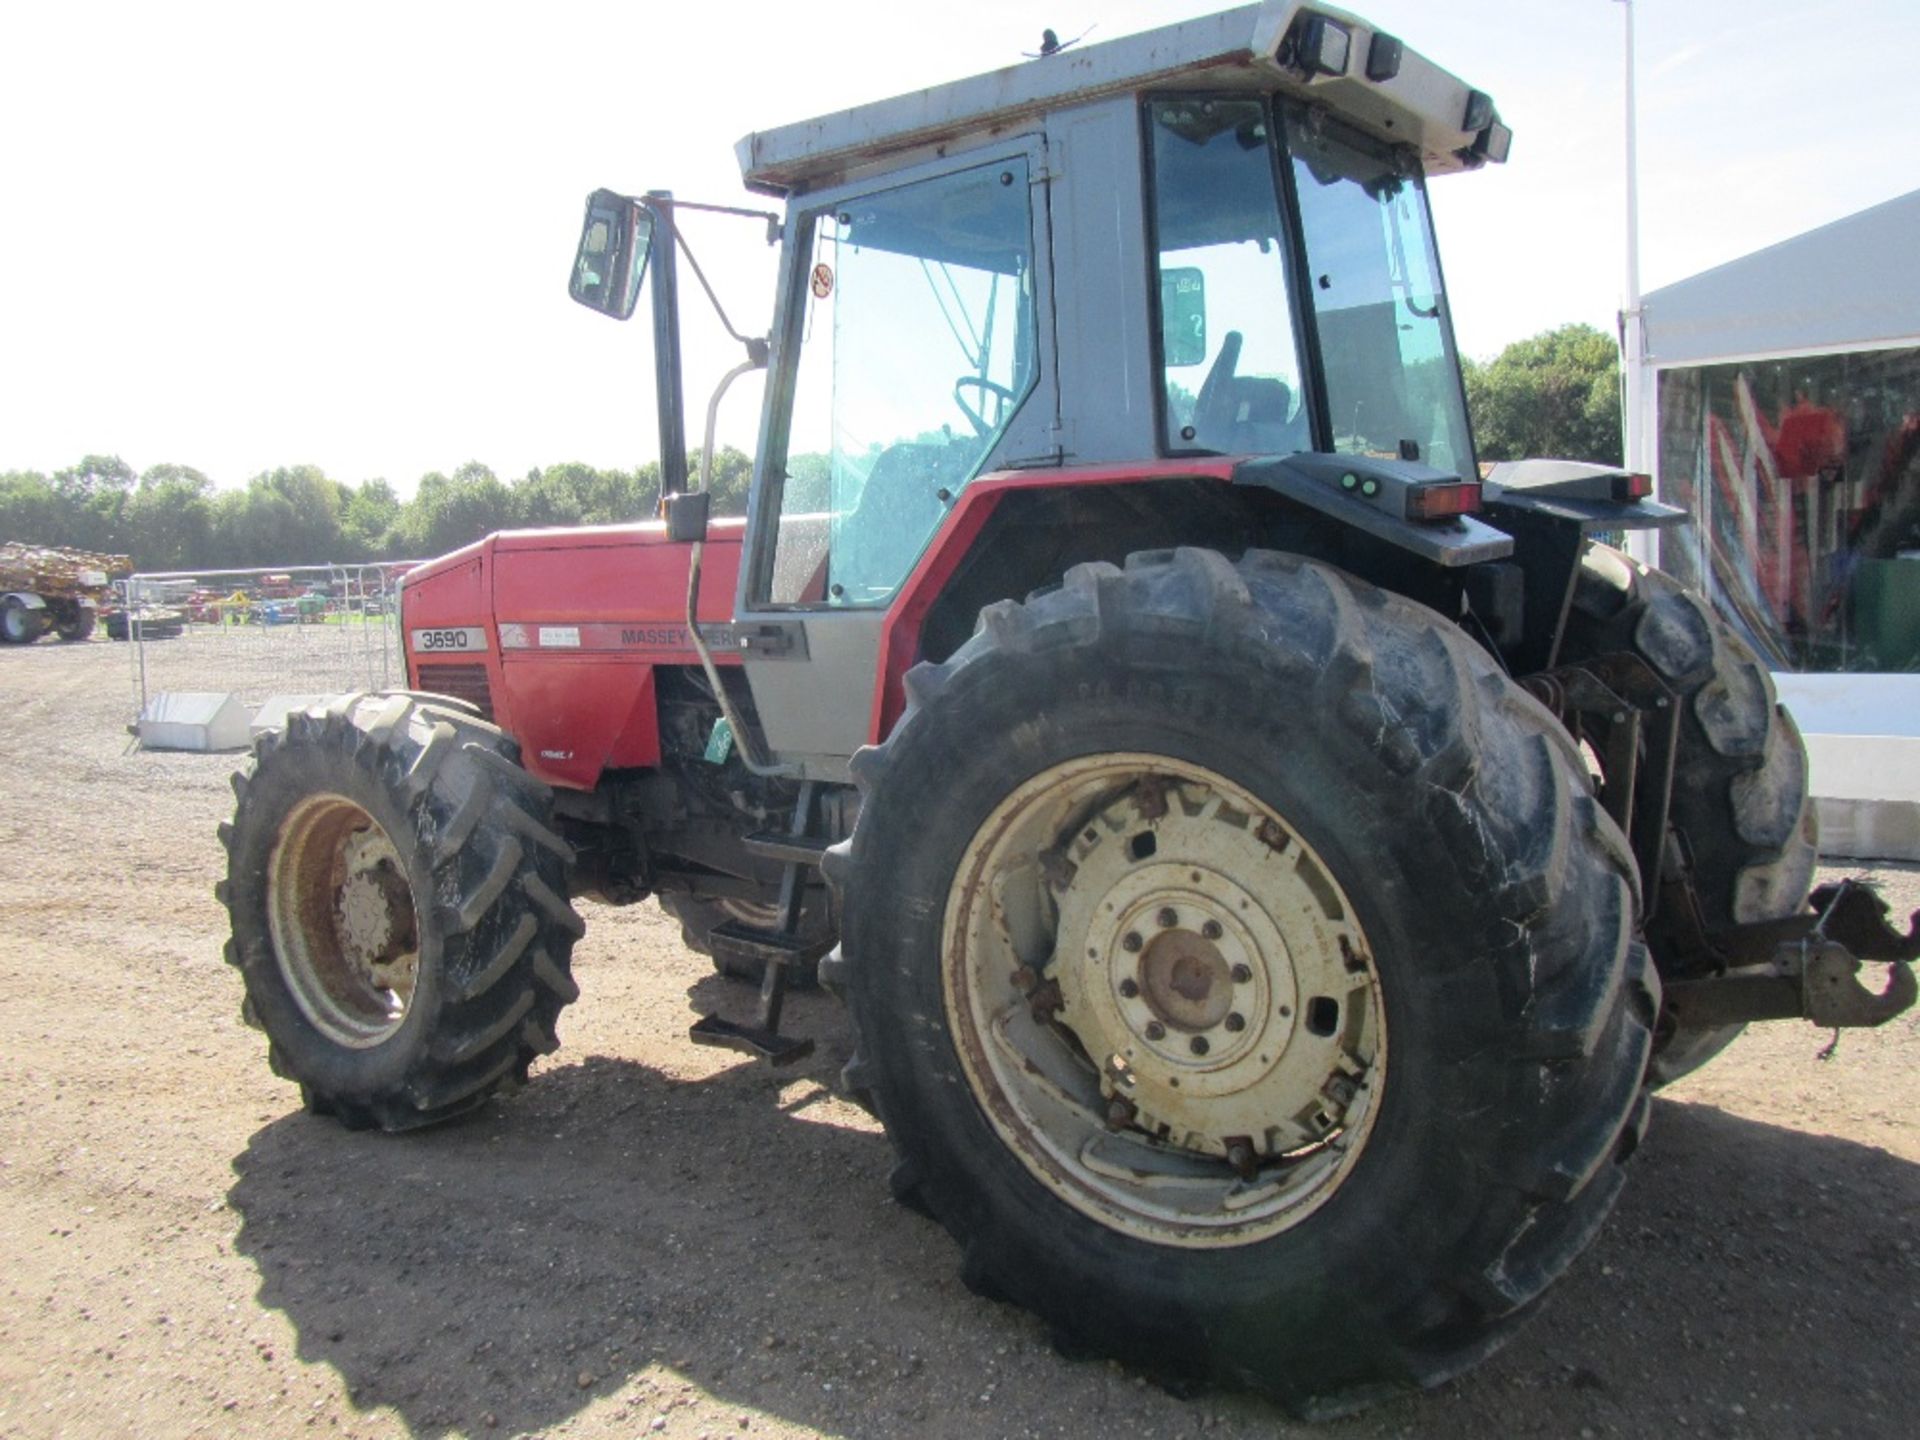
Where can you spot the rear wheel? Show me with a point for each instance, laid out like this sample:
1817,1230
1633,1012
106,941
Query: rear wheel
20,625
399,912
79,626
1271,922
1741,820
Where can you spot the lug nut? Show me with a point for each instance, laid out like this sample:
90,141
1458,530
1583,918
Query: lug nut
1236,1022
1156,1031
1128,989
1131,942
1242,974
1211,930
1168,918
1199,1045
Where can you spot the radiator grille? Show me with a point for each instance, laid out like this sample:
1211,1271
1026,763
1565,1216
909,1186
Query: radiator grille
463,682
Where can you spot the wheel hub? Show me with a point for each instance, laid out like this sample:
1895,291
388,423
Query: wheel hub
341,913
1192,1040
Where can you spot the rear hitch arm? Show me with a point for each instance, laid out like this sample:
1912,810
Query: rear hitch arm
1808,967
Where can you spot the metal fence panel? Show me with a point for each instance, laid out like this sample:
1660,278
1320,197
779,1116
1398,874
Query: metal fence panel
274,630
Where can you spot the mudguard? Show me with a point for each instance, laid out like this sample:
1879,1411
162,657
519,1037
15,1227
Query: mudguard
1371,495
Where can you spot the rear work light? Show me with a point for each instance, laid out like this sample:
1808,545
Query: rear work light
1441,502
1632,487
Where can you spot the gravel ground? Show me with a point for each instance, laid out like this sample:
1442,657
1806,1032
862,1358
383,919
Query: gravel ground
655,1239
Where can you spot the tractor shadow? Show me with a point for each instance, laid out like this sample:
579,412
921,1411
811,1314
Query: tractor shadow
621,1239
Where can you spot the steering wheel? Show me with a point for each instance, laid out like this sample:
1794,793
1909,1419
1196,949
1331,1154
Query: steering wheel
986,387
1217,386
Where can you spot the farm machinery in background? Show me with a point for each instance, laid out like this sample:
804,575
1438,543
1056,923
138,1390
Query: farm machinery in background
1265,866
49,589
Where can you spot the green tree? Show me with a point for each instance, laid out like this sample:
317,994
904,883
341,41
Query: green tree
449,511
30,510
1556,394
169,519
367,521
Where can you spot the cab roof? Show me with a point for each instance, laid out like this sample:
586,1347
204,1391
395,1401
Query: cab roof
1286,46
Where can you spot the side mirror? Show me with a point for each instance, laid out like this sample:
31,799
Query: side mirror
612,258
1183,316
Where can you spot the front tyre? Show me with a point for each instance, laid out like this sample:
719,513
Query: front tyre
1275,1019
79,624
399,911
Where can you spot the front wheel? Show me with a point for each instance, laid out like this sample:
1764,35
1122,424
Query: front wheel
399,911
79,625
1244,975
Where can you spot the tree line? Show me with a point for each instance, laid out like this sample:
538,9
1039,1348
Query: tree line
1553,394
172,517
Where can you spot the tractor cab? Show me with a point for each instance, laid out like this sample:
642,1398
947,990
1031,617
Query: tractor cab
1212,241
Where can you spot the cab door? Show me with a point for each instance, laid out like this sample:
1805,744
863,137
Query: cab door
910,358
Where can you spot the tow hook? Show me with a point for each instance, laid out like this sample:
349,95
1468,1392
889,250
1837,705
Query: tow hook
1808,967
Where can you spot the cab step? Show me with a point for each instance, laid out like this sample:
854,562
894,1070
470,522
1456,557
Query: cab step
788,849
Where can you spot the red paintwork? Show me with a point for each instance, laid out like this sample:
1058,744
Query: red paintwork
581,709
900,636
576,710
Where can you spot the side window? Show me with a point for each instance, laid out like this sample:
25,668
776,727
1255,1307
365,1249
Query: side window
915,350
1231,360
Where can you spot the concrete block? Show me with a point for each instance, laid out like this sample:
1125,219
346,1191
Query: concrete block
193,720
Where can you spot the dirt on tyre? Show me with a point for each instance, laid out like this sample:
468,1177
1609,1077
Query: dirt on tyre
1741,821
399,908
1277,1019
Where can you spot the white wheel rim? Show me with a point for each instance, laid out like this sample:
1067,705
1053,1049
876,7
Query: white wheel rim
1163,1001
343,921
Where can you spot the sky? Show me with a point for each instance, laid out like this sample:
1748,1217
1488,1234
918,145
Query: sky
238,236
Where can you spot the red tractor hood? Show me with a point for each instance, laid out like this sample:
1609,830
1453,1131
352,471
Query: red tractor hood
555,635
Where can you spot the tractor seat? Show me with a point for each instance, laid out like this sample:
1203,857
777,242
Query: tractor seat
1262,417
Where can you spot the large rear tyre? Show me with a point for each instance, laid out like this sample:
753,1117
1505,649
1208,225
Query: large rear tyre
1245,976
1741,820
399,911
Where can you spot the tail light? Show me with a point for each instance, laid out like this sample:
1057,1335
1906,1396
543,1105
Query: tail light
1441,502
1632,487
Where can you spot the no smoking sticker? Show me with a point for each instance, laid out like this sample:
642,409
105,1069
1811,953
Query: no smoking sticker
822,281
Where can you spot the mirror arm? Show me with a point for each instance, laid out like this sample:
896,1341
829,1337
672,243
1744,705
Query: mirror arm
669,393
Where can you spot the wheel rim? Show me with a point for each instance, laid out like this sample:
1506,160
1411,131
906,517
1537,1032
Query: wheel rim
342,918
14,619
1163,1001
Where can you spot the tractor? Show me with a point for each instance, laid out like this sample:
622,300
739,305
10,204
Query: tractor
1266,861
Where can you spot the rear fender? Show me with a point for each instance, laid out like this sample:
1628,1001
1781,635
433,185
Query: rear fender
1552,508
1314,486
26,598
